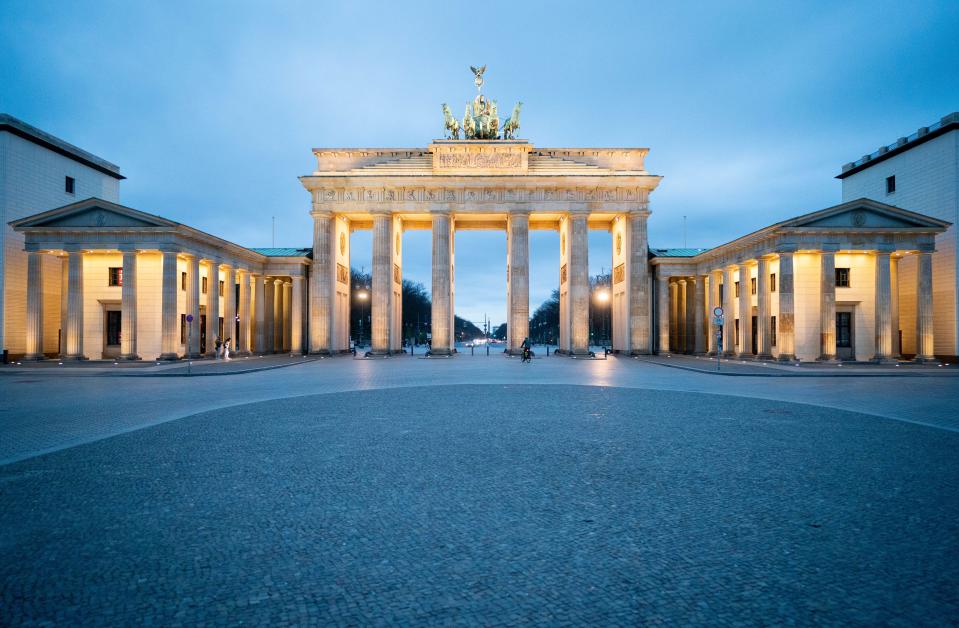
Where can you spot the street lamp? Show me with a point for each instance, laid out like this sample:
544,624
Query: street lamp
362,295
603,297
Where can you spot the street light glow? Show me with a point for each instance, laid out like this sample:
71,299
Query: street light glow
602,296
361,294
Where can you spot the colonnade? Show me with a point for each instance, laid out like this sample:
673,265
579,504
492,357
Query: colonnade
275,302
329,334
686,303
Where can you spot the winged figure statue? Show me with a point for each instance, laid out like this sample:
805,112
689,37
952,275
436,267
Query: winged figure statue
478,73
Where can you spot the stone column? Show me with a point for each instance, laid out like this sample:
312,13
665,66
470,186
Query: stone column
518,271
380,311
213,307
441,313
64,292
674,317
128,315
786,321
170,320
640,336
321,282
229,308
287,320
578,284
924,328
75,306
745,312
269,308
715,279
259,314
699,312
662,296
193,308
763,311
245,313
296,316
34,306
682,315
827,306
894,304
883,309
278,316
729,312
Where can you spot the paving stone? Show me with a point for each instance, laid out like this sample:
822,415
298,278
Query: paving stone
495,504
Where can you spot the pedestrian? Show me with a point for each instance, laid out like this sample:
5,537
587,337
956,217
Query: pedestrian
218,345
226,348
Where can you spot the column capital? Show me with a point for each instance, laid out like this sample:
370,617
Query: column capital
378,211
320,211
884,251
128,247
73,248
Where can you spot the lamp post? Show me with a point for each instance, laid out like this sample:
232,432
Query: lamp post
603,297
362,295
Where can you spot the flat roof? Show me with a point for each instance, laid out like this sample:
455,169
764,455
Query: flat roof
42,138
282,251
924,134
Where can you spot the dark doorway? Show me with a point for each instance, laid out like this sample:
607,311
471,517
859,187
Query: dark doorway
844,336
202,333
755,335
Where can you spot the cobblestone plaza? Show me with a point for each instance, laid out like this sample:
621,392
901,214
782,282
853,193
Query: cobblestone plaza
611,492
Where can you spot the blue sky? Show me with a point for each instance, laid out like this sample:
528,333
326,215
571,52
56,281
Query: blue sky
211,109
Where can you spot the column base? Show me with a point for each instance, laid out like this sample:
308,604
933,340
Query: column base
925,359
74,358
828,358
168,357
33,357
130,357
786,357
765,356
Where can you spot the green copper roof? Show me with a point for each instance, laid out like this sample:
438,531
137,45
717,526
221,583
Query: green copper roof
283,252
676,252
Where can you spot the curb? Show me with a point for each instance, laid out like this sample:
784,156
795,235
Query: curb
809,374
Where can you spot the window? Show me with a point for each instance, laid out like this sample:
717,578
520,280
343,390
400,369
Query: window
842,277
737,330
772,282
752,285
116,276
69,185
221,288
736,285
203,289
182,329
721,286
890,184
772,331
113,328
183,281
